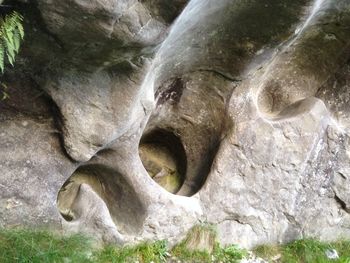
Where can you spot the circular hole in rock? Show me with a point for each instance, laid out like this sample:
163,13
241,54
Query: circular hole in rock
164,158
125,208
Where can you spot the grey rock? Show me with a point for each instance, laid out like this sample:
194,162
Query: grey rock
241,106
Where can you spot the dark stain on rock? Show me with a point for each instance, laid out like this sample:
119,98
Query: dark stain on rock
172,93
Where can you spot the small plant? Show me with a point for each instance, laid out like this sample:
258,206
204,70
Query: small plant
230,253
162,250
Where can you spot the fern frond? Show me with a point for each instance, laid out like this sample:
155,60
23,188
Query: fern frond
20,30
16,41
11,34
2,56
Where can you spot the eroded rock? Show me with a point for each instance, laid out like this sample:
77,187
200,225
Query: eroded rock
138,122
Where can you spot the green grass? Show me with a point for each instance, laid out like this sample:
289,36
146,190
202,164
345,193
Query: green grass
207,232
228,254
146,252
159,252
26,246
305,251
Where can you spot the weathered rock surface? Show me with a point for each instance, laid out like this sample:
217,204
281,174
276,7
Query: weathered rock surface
132,120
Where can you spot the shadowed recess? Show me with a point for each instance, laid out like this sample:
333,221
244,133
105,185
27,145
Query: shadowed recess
123,204
164,157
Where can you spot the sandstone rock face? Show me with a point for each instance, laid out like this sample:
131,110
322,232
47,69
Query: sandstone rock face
135,120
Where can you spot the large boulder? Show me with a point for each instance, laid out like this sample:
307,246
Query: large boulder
133,120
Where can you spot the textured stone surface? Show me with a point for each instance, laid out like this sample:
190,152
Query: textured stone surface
238,108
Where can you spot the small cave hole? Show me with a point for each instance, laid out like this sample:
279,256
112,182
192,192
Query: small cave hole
164,158
125,207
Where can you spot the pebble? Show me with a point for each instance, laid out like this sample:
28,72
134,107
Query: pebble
332,254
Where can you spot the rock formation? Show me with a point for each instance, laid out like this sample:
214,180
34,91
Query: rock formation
133,120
